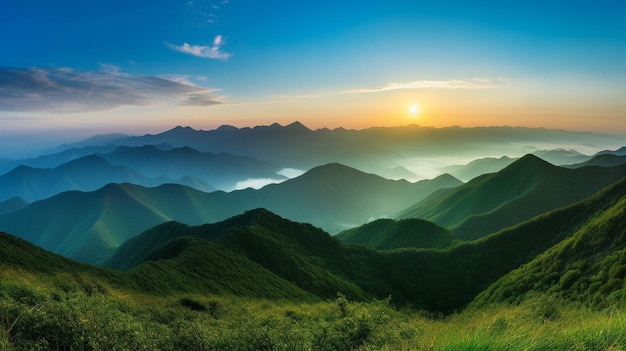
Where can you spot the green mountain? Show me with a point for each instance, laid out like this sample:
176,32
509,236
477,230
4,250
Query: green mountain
301,254
589,266
88,226
388,234
524,189
259,254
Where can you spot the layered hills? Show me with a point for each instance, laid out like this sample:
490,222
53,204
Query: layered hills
260,254
524,189
88,226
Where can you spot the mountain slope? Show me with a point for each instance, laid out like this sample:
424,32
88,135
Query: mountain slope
524,189
589,266
388,234
299,253
89,226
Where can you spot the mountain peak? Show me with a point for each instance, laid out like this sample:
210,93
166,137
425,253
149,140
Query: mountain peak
297,126
180,129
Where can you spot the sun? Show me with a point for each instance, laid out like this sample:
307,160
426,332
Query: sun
414,110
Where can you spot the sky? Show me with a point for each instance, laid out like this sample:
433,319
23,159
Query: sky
77,68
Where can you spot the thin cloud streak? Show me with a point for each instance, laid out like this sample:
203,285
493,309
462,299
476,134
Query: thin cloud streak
474,84
210,52
65,90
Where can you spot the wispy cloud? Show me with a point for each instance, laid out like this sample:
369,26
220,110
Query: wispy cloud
473,84
211,52
65,90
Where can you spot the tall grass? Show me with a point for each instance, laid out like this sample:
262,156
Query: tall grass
36,315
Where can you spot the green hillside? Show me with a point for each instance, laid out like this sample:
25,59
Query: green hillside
386,234
526,188
589,266
298,253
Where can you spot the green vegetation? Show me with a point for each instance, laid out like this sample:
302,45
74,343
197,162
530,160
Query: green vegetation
387,234
48,314
88,227
521,191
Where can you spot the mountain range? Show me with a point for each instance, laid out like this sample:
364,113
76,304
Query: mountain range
87,226
259,254
420,150
148,209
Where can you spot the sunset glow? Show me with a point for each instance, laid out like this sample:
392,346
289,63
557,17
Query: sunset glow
77,69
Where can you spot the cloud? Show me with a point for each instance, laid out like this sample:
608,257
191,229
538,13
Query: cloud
479,83
211,52
65,90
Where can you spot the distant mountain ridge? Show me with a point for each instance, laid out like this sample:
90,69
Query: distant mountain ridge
378,150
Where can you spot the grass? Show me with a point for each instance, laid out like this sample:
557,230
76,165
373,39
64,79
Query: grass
38,315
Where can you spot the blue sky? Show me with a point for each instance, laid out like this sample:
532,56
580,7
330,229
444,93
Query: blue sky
73,67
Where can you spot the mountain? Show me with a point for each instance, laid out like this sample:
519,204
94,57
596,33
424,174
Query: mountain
216,271
54,160
12,204
259,254
375,150
299,253
88,226
85,174
602,160
524,189
222,171
589,266
388,234
619,152
441,280
478,167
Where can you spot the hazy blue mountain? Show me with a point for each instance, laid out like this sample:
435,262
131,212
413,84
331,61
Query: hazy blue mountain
478,167
222,171
91,142
12,204
53,160
85,174
375,149
519,192
87,226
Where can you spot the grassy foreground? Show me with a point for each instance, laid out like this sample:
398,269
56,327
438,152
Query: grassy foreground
37,316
